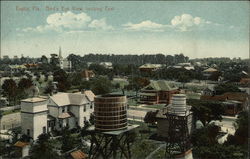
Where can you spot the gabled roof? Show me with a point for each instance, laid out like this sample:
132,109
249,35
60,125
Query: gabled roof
148,65
21,144
90,95
236,96
78,155
210,70
63,99
65,115
160,85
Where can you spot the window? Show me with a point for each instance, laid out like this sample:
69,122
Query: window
91,105
84,119
28,132
44,129
63,109
84,109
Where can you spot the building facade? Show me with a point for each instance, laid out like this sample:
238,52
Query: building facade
34,114
158,92
42,115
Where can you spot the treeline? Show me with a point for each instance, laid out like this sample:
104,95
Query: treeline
131,59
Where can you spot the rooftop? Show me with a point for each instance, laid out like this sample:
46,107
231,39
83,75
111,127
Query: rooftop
210,70
34,99
21,144
78,154
160,85
63,99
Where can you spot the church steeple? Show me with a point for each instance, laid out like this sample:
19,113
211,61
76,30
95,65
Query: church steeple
60,52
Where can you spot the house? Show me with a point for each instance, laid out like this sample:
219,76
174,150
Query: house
245,81
78,154
209,72
209,91
149,67
234,101
158,92
107,65
69,109
42,115
22,148
186,66
87,74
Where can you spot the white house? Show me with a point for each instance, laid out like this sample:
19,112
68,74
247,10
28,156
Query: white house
69,109
41,115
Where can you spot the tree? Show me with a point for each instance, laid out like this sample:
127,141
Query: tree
44,59
241,134
62,78
226,87
76,79
43,149
101,85
10,89
54,61
68,141
206,111
24,83
137,83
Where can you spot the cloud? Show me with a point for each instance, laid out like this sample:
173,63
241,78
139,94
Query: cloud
69,21
100,24
144,26
187,22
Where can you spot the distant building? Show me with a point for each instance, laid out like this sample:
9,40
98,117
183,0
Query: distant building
41,115
158,92
208,91
6,57
107,65
78,154
186,66
245,81
234,101
209,72
15,57
149,67
22,148
64,63
87,74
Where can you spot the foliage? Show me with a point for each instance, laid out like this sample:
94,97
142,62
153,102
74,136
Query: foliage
206,111
142,148
68,141
150,117
75,78
43,149
241,135
205,136
10,89
137,83
101,85
218,151
62,78
225,87
24,83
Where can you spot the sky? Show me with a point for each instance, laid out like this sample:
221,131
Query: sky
195,28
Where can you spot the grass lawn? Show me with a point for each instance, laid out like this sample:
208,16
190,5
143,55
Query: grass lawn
132,102
11,111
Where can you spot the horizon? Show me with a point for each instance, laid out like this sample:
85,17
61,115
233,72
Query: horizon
196,29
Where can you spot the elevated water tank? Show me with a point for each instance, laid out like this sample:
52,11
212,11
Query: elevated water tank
179,106
110,112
